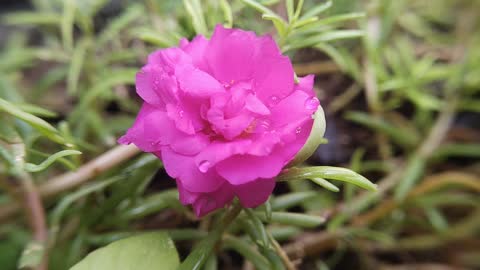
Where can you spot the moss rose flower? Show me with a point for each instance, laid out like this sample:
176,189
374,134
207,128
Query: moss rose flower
224,115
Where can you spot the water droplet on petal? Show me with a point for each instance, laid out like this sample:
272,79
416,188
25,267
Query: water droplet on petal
298,130
181,113
265,124
272,101
311,103
204,166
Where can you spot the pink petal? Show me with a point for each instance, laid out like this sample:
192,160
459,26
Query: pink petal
218,151
230,54
196,82
241,169
169,58
196,49
298,107
155,87
273,78
254,193
182,121
255,105
153,129
184,169
305,84
208,202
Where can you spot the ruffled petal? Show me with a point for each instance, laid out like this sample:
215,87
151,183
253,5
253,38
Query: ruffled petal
196,82
184,169
169,58
220,150
153,129
230,54
241,169
298,107
196,49
154,86
273,78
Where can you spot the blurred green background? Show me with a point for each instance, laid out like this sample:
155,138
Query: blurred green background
398,80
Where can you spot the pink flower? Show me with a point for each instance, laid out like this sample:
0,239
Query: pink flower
224,115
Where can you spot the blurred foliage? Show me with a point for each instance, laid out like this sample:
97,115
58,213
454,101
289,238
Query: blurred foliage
66,86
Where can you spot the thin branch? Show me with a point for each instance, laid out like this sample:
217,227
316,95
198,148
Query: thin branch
35,213
283,255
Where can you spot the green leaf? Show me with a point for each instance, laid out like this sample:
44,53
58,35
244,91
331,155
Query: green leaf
51,159
295,219
292,199
35,110
41,125
259,7
290,10
197,258
29,18
413,172
66,24
78,58
327,172
142,252
325,37
259,228
111,31
316,10
246,250
400,135
195,11
325,184
227,12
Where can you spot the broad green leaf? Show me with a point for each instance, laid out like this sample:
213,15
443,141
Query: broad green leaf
50,160
31,256
141,252
327,172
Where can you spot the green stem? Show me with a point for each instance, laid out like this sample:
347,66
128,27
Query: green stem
197,258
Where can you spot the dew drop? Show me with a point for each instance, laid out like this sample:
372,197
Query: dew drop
265,124
181,113
272,101
311,103
204,166
298,130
